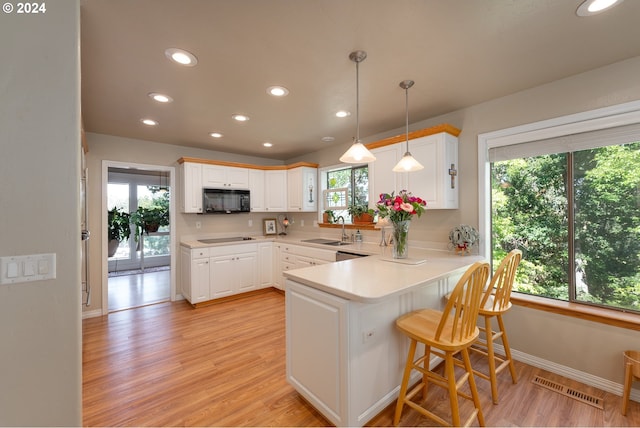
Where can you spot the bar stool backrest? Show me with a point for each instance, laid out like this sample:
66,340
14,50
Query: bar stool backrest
502,283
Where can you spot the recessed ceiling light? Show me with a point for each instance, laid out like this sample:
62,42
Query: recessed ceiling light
216,135
267,144
593,7
149,122
161,98
343,113
328,139
240,117
181,56
278,91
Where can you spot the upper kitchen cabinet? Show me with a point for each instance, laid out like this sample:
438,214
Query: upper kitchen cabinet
437,183
302,189
256,187
225,177
436,149
275,190
190,175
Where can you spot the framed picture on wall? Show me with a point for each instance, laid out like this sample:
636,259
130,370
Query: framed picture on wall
269,226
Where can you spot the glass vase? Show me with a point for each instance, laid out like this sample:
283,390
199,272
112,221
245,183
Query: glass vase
401,239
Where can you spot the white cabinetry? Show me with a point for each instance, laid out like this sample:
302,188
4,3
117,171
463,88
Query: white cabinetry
233,271
298,256
275,190
194,274
191,186
438,153
302,189
214,272
256,187
219,176
265,257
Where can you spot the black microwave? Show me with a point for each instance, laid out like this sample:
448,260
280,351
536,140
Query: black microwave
225,201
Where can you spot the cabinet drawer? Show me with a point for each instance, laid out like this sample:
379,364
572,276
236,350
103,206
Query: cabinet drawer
288,258
199,253
224,250
288,266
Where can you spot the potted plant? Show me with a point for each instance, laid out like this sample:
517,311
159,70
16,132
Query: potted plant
149,219
361,214
328,216
118,228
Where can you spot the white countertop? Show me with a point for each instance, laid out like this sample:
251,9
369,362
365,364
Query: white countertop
372,279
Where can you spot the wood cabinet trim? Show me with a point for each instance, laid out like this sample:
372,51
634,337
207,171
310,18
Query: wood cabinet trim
445,127
246,165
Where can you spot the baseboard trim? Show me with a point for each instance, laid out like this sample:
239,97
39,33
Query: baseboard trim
92,314
570,373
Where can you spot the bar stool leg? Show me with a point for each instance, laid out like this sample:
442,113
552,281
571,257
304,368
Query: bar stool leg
507,350
405,382
492,362
453,389
628,378
472,386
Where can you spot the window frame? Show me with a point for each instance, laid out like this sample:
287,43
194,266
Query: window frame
323,172
594,120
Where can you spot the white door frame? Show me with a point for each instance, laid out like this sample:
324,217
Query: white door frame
106,164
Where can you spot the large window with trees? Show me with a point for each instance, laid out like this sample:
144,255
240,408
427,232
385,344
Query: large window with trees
572,205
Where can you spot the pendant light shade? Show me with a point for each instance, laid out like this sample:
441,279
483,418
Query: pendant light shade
407,163
357,153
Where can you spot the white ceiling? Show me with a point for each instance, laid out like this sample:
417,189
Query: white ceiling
459,53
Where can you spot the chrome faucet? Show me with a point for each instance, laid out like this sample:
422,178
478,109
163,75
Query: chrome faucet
344,237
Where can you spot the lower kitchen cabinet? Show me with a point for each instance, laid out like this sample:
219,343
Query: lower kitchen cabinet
297,256
215,272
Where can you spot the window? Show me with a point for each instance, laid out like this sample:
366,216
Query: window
354,181
572,204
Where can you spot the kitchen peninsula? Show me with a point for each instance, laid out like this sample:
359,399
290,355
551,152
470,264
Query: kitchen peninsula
344,354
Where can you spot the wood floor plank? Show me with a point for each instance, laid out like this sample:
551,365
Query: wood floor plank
224,365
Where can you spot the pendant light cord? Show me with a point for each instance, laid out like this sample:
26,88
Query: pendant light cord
357,101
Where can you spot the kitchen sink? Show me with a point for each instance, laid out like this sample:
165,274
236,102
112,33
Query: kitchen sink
322,241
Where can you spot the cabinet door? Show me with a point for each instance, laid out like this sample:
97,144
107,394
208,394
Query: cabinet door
199,280
437,153
302,189
275,191
222,278
246,271
256,187
265,257
238,178
191,175
309,189
382,179
278,280
214,176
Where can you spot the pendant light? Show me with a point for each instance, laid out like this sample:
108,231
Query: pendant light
357,153
407,163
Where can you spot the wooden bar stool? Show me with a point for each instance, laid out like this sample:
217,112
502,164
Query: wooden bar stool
495,302
631,372
449,331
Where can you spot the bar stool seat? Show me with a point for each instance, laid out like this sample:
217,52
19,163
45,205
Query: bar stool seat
445,334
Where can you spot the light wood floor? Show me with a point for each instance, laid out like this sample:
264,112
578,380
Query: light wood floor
132,291
224,365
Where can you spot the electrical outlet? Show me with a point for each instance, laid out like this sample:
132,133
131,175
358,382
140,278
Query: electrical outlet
250,222
198,225
315,223
301,223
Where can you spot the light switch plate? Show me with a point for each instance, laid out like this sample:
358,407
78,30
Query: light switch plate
35,267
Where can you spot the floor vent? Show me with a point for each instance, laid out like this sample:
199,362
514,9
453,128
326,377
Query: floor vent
569,392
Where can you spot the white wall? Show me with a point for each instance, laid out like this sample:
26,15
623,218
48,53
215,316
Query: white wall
40,325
